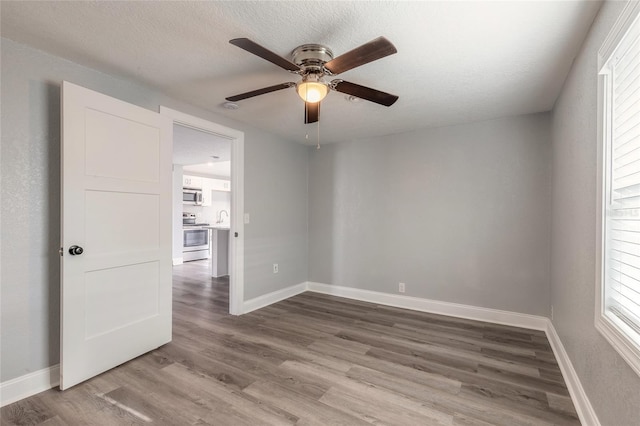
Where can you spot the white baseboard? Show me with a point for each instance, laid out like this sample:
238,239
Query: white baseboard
273,297
30,384
495,316
178,261
585,410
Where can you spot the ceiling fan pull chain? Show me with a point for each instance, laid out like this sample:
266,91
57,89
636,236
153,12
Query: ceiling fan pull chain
318,147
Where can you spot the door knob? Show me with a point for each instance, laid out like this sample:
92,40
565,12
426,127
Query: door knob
75,250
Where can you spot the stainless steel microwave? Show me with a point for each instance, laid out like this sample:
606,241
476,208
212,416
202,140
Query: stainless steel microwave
192,196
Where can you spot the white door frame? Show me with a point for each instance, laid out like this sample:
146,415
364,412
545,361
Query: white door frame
236,258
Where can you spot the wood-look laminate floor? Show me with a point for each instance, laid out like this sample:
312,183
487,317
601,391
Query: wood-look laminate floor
316,360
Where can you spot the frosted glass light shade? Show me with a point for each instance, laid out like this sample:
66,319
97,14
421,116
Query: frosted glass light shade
312,91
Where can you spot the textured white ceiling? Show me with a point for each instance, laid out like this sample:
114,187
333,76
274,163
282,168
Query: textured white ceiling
194,150
216,170
456,62
197,147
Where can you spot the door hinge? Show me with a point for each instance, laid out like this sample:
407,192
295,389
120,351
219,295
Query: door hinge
61,251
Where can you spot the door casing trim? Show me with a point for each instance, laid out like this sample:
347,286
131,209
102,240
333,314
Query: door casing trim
236,249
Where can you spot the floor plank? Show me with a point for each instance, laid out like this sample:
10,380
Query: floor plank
316,359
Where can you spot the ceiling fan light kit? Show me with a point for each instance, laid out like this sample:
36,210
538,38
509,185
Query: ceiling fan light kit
312,62
312,91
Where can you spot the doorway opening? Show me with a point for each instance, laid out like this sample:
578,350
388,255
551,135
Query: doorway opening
208,194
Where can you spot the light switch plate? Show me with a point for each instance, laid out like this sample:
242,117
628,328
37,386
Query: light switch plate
247,219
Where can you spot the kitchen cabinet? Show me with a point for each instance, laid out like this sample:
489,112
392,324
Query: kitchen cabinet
220,185
191,182
206,192
201,182
219,251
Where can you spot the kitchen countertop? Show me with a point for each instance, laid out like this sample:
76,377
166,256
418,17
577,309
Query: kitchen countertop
218,227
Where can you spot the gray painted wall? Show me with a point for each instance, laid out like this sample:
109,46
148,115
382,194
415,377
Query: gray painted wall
275,195
460,214
612,387
279,232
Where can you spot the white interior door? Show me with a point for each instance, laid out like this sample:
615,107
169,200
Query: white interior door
116,206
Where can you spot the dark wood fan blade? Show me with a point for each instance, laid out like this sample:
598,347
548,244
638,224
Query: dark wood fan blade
260,92
311,112
362,92
256,49
368,52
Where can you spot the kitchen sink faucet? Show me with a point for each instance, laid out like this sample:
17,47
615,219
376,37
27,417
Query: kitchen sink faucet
220,215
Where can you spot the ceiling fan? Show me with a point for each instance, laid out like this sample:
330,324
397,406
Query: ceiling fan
314,61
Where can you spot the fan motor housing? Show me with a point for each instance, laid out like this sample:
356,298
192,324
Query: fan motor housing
311,57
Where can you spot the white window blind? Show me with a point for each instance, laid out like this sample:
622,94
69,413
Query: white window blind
621,301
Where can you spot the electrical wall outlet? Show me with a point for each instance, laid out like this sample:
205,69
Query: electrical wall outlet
275,268
247,219
401,287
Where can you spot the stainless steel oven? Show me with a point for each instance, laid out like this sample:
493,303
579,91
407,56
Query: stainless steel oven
195,243
195,239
